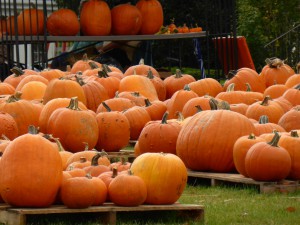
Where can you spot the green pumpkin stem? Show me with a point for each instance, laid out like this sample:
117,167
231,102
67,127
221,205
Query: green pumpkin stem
252,136
274,62
32,129
213,103
14,98
294,133
106,107
150,74
187,87
102,74
263,119
265,101
114,172
106,68
178,73
231,74
17,71
142,61
248,89
275,140
94,161
74,104
93,65
230,87
165,118
79,80
199,109
147,102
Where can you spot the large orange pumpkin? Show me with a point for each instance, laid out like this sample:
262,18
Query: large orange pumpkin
33,182
204,144
126,19
63,22
152,14
95,18
165,176
31,21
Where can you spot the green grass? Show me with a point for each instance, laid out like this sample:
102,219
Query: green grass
231,204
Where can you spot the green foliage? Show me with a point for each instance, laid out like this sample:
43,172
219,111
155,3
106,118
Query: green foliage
262,22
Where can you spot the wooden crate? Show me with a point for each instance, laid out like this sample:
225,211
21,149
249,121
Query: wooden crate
284,186
107,213
127,154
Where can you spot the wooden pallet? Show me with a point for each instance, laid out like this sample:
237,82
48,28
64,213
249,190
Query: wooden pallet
107,213
128,154
284,186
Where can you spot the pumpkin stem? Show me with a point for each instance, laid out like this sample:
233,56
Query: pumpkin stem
248,89
180,117
274,62
102,74
265,101
223,105
114,172
252,136
142,61
199,109
60,147
4,137
147,102
178,73
106,68
298,68
263,119
93,65
297,87
150,74
213,103
85,57
32,129
165,118
14,98
275,139
231,74
187,87
294,133
74,104
95,158
230,87
106,107
17,71
79,80
136,94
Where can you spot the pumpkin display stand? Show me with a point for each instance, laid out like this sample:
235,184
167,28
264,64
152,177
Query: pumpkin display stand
107,213
217,179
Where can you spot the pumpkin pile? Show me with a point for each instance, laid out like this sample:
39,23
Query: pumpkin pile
178,123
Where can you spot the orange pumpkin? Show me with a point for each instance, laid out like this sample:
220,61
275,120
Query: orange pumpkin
6,89
63,22
31,21
260,166
22,190
127,190
8,127
95,18
116,104
165,176
291,119
155,109
206,86
152,14
126,19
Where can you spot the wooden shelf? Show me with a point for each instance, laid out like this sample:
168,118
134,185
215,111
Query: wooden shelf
29,39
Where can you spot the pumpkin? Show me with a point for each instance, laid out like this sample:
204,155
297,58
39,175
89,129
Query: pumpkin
17,75
293,95
94,169
95,18
9,127
141,69
61,88
78,192
291,143
6,89
275,72
140,84
73,127
33,90
265,107
24,112
114,130
63,22
242,76
49,108
291,119
159,85
159,136
135,97
29,78
275,91
165,176
31,21
101,191
155,109
204,144
190,107
152,14
83,64
121,165
240,149
239,107
127,190
264,126
115,104
137,117
126,19
178,100
35,181
177,82
206,86
266,161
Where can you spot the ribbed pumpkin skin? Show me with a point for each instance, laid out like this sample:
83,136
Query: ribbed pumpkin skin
31,172
152,14
8,127
95,18
126,19
165,176
205,142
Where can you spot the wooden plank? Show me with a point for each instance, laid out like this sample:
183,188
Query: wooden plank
284,186
107,212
